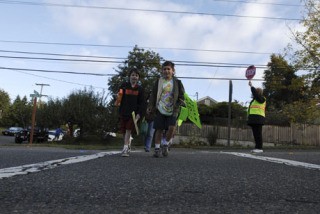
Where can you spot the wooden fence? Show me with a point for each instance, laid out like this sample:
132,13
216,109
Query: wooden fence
297,134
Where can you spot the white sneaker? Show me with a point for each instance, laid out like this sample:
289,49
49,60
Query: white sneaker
125,153
257,151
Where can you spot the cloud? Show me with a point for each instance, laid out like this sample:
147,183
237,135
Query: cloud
189,31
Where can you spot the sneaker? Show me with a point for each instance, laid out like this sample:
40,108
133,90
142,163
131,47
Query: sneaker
125,153
146,150
257,151
156,153
129,148
165,150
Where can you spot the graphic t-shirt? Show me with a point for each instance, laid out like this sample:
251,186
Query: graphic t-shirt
166,99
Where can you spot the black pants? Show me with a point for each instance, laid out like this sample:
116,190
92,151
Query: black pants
257,134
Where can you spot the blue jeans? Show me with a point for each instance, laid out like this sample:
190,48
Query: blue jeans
149,136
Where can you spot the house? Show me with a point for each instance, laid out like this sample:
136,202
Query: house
207,101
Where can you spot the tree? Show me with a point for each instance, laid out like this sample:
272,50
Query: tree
218,113
147,63
289,97
20,112
49,114
302,112
87,110
205,113
4,106
308,57
282,86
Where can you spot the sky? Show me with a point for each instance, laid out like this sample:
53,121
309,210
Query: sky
41,36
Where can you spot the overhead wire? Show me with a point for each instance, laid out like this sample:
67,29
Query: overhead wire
127,46
181,63
143,10
262,3
177,62
58,80
110,75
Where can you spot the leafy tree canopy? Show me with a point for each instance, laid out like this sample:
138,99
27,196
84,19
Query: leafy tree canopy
308,56
282,85
148,64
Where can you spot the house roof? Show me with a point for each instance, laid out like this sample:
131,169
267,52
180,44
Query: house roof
207,98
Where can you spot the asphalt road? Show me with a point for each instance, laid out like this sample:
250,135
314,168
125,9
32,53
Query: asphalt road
6,140
188,181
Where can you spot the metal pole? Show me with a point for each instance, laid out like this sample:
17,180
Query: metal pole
229,112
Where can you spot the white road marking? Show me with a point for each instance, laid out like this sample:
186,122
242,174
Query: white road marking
37,167
276,160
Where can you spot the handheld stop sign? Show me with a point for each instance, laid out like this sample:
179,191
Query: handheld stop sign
250,72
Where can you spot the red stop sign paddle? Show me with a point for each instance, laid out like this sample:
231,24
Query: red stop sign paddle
250,72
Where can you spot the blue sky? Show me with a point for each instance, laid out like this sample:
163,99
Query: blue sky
204,35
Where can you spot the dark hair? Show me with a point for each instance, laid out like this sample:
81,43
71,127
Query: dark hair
259,91
134,70
168,63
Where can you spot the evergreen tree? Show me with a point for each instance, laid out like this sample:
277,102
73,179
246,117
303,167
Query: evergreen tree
20,112
4,107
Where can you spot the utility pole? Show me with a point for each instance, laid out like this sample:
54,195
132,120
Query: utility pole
34,96
229,111
42,85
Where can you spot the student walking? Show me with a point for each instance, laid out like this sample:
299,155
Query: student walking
166,98
130,99
256,116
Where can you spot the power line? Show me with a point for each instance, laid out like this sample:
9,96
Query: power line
65,55
58,80
55,71
112,60
96,74
181,63
126,46
144,10
60,59
263,3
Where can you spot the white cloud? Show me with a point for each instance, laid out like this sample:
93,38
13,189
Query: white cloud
168,30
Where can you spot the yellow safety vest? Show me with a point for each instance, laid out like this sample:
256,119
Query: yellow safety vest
257,108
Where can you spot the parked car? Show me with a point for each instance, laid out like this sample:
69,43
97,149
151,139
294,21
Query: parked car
52,134
12,131
76,133
39,136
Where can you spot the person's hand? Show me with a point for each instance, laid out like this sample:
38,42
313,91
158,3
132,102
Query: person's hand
250,83
137,117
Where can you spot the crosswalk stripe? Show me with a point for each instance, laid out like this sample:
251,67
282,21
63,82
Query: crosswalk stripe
276,160
37,167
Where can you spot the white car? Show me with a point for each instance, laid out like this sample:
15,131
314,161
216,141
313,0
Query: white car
76,133
52,134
